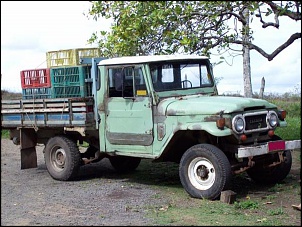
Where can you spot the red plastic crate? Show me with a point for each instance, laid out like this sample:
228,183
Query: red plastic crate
35,78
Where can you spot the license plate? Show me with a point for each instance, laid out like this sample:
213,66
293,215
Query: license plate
276,145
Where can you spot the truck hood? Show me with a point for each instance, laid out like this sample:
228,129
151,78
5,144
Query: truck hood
192,105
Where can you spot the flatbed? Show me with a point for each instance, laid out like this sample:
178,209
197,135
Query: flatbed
43,113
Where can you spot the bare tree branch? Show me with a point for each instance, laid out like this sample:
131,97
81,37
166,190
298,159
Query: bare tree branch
276,52
267,24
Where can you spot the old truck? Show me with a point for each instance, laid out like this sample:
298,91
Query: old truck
163,107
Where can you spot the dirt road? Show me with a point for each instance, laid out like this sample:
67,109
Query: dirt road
31,197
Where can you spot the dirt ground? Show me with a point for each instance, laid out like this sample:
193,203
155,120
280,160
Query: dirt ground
32,198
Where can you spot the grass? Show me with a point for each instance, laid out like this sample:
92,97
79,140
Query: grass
276,188
292,106
248,204
293,119
179,209
278,211
292,131
215,213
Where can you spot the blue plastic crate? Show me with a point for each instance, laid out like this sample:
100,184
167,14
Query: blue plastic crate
36,93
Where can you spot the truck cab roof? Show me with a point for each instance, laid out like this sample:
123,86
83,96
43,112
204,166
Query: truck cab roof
150,58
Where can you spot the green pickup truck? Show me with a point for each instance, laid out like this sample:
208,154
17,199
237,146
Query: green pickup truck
163,107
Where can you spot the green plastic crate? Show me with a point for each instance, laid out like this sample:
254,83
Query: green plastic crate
68,92
69,81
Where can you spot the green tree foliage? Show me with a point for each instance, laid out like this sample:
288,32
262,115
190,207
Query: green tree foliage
166,27
191,27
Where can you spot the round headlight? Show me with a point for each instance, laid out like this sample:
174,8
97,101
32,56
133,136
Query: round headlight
273,119
239,124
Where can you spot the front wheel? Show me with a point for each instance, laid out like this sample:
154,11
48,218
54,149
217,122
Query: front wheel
62,158
272,175
205,171
262,174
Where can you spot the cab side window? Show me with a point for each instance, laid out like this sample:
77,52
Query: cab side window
140,84
115,77
126,82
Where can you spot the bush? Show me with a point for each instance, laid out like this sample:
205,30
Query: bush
10,95
4,134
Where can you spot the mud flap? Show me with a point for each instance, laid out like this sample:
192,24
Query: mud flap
28,141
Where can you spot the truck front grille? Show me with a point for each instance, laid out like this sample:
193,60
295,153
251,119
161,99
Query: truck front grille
255,122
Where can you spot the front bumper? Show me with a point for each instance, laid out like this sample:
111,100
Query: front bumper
269,147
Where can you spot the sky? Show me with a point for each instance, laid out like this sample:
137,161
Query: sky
29,29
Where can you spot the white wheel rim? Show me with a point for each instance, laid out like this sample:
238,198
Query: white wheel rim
201,173
57,158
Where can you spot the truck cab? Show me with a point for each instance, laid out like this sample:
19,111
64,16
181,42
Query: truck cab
136,99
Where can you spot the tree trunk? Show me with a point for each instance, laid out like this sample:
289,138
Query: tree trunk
248,93
262,88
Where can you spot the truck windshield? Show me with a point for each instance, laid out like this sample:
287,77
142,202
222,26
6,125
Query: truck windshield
180,75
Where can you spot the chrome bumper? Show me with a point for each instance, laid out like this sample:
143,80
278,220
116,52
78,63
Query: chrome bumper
269,147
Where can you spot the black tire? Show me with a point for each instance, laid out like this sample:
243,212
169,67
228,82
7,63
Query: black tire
210,161
124,163
62,158
274,174
271,175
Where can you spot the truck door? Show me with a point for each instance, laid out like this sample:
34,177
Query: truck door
128,114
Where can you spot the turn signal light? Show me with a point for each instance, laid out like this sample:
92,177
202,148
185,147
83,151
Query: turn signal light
220,123
282,114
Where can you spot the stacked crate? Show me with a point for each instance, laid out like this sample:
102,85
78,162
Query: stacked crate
68,82
36,83
69,76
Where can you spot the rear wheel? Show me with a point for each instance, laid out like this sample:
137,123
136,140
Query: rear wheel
205,171
124,163
62,158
